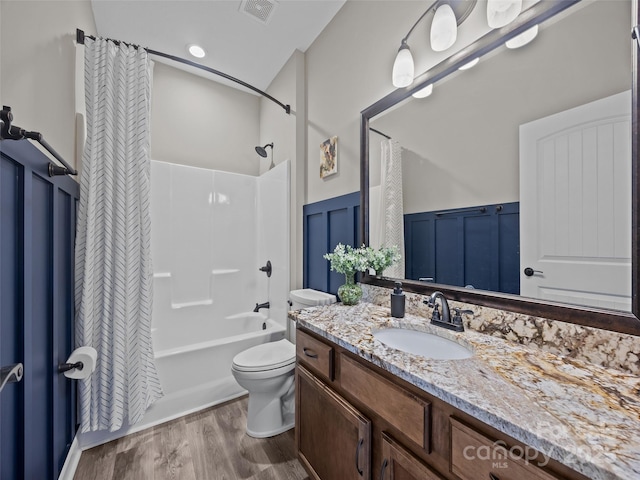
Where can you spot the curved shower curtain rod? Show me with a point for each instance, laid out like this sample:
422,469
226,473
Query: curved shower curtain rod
80,36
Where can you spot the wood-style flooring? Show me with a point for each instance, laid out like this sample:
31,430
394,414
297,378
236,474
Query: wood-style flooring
206,445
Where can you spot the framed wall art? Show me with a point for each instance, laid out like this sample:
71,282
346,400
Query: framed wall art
329,157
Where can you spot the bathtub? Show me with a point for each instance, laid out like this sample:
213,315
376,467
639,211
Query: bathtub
198,375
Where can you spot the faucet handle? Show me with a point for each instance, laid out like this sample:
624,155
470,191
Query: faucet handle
436,311
457,317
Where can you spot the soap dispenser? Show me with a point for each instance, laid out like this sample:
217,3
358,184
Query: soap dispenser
397,301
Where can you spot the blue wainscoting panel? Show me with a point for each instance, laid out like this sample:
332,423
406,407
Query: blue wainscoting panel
478,249
327,223
509,252
447,247
478,246
11,433
37,228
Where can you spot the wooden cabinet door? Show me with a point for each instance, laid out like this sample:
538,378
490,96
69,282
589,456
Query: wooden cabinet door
400,464
477,457
333,438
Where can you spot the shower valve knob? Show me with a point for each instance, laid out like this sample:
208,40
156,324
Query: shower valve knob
267,268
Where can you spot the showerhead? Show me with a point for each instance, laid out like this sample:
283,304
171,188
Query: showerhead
262,151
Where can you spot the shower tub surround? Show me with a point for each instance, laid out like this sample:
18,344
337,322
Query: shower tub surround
588,344
585,416
211,232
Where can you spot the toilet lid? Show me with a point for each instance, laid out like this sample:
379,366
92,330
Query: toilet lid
267,356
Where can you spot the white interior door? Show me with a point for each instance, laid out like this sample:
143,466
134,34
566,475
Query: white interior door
575,205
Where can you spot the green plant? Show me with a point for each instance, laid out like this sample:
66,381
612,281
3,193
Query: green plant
348,260
382,258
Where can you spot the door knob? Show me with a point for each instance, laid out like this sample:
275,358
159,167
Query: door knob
530,271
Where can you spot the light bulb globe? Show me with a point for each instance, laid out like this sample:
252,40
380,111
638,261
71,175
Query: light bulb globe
403,68
444,28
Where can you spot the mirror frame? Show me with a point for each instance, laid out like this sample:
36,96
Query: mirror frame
614,320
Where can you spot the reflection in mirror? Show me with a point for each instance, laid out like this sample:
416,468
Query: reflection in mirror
514,176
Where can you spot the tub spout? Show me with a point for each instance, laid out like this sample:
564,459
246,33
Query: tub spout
261,305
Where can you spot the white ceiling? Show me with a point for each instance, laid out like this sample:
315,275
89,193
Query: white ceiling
236,43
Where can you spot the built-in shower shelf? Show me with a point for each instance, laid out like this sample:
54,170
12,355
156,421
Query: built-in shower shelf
192,304
222,271
162,275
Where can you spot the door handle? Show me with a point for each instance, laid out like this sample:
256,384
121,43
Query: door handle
358,456
309,353
10,374
383,468
530,271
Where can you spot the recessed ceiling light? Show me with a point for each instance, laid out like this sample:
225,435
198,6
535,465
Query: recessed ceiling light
197,51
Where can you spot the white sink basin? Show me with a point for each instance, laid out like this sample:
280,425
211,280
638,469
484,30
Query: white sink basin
422,343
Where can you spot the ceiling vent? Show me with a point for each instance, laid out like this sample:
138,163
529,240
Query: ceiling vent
261,10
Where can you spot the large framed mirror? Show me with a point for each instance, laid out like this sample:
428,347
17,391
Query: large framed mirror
520,175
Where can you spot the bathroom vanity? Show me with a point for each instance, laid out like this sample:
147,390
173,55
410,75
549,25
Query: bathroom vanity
364,410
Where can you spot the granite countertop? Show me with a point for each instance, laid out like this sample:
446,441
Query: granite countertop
582,415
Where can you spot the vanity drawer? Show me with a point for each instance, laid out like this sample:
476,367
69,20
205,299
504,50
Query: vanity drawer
398,407
316,355
477,457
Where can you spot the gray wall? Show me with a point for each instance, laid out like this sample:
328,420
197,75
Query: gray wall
37,66
196,121
349,68
288,134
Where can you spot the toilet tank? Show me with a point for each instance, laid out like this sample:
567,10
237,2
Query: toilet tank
307,297
304,298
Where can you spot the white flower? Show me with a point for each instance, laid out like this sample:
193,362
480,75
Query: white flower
348,260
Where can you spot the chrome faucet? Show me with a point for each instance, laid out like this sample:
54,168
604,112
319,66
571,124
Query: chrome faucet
261,305
445,320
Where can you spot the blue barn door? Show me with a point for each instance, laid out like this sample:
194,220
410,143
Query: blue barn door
37,229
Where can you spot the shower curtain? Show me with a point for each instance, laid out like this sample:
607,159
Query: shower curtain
113,274
391,205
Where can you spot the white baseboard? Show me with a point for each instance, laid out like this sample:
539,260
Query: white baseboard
72,460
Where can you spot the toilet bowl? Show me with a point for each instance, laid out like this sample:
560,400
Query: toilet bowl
267,372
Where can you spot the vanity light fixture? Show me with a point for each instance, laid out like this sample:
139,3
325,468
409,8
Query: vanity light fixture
403,68
522,39
502,12
424,92
470,64
444,28
197,51
447,16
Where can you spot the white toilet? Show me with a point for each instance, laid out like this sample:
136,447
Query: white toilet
267,372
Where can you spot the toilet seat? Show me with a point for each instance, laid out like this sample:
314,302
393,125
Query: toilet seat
268,356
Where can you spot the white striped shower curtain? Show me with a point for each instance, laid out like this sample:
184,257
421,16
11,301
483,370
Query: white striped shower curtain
113,259
391,204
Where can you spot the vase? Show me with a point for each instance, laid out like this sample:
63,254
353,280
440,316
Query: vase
350,293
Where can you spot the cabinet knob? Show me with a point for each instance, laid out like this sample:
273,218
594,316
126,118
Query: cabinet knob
358,448
309,353
383,468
